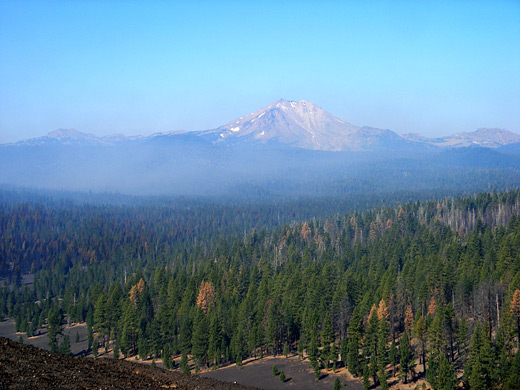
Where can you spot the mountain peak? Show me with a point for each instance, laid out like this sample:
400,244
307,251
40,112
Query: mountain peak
68,133
295,122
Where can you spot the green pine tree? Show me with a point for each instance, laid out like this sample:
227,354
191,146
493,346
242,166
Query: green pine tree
200,339
366,377
353,354
317,371
406,360
95,346
327,338
420,333
447,379
286,349
393,356
343,350
512,381
481,371
55,322
184,364
65,345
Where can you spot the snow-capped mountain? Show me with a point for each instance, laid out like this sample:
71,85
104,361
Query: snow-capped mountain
304,125
297,123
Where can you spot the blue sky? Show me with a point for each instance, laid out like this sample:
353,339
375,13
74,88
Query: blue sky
107,67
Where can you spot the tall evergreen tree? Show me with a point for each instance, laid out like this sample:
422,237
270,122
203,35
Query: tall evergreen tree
406,356
55,321
65,345
420,333
200,338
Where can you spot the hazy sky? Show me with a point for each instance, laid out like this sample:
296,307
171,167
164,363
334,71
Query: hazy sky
108,67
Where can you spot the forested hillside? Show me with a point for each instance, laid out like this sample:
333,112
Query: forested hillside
426,288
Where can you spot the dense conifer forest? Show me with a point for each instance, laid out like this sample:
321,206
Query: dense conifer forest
424,289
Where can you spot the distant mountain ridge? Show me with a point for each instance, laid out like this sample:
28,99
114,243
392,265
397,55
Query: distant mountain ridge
487,138
287,147
74,137
299,124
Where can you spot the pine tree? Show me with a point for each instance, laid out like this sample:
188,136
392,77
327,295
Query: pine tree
393,355
185,334
333,356
184,364
129,325
366,377
447,379
371,335
512,382
95,347
337,384
115,351
480,371
382,349
353,354
462,336
215,338
317,371
374,368
90,331
282,376
383,380
515,310
327,338
313,347
382,343
100,319
449,329
405,352
200,339
343,350
420,333
65,345
286,349
55,327
437,336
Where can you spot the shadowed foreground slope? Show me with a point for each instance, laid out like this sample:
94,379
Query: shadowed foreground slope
27,367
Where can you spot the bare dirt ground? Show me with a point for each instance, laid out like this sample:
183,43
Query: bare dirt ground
41,340
26,367
298,375
254,372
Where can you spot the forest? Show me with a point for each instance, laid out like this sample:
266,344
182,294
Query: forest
425,289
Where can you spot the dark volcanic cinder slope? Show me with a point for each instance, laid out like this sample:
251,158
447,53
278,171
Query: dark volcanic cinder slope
27,367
